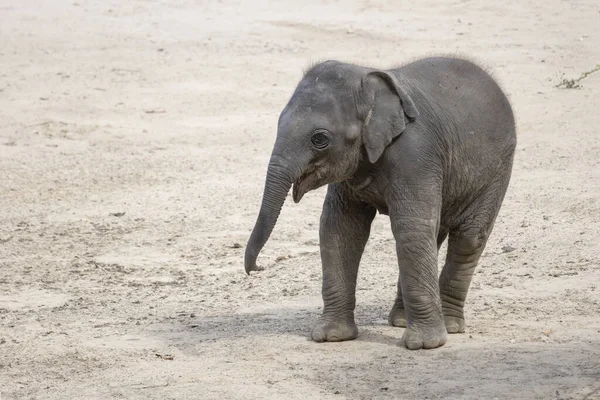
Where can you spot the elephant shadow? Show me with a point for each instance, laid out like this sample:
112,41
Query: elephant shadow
280,321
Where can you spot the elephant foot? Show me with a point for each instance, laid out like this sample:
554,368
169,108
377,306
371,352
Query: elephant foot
334,331
454,324
397,317
424,337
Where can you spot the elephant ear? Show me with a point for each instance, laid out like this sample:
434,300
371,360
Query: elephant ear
386,110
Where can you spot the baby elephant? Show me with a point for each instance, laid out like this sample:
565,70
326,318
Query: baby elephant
430,144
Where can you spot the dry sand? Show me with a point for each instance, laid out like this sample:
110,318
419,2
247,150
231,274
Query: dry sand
166,111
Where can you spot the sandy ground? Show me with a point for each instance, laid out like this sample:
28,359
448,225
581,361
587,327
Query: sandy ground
134,139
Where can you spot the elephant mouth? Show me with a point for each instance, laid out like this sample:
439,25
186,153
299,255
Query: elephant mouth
310,180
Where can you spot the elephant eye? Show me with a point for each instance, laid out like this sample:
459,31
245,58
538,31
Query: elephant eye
320,139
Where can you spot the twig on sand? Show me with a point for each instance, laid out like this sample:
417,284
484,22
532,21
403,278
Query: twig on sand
574,83
164,356
155,386
140,385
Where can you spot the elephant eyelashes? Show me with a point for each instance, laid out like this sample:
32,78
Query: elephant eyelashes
320,139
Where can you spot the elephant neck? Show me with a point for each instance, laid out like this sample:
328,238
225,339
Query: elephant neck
359,183
362,177
368,185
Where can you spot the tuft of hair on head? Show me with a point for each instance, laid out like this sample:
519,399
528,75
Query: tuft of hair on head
311,66
319,66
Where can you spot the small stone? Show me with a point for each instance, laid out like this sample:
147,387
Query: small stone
508,248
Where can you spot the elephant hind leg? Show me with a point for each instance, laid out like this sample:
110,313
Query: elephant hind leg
466,243
464,251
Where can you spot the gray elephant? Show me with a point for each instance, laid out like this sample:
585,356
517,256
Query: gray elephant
431,144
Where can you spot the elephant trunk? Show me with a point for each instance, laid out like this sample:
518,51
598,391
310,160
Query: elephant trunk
280,176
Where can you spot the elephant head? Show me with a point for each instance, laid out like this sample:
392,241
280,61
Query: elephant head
338,115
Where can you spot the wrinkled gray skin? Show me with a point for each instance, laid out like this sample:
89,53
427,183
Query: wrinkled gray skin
430,144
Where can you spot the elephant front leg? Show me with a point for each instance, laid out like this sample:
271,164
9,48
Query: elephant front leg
344,231
414,216
397,316
417,260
